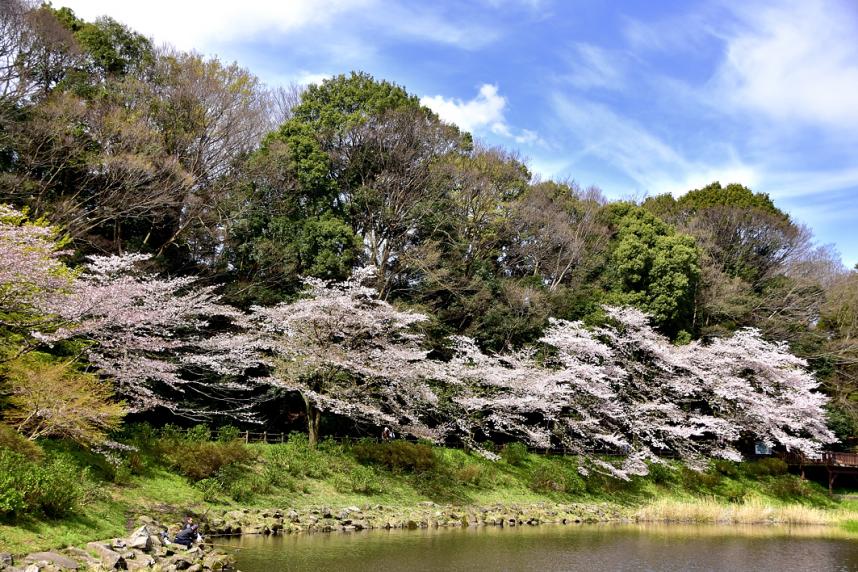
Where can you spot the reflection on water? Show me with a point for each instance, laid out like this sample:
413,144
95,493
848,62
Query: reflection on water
587,547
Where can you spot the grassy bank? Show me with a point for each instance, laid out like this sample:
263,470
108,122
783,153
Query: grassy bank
171,473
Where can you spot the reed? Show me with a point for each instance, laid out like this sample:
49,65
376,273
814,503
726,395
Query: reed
753,511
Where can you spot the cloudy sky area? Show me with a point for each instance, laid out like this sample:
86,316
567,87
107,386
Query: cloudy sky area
638,98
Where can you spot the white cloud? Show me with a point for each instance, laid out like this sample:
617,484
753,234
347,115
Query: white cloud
484,110
199,24
307,78
483,113
654,165
594,67
794,61
206,24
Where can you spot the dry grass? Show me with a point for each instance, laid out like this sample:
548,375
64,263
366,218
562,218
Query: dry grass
753,511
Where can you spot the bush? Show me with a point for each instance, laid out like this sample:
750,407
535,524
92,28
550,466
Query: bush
359,479
514,454
697,480
202,459
210,488
766,467
662,473
142,435
396,455
295,457
54,488
15,482
726,468
199,433
734,492
60,487
228,433
789,487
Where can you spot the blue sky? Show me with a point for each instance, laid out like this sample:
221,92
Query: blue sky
636,97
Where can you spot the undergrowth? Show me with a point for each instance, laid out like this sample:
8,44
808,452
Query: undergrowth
59,487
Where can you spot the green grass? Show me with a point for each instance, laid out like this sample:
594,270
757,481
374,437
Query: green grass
292,475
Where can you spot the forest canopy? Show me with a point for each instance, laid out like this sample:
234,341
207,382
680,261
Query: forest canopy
180,236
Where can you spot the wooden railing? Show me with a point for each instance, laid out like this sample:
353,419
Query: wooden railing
839,459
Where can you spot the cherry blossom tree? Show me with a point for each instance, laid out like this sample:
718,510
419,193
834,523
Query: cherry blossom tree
620,388
348,353
32,277
149,335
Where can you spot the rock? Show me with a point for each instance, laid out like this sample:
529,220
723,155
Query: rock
326,512
109,558
6,560
180,562
217,562
32,568
140,539
58,560
292,515
145,562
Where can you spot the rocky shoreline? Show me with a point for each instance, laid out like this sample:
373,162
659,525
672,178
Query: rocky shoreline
144,548
424,515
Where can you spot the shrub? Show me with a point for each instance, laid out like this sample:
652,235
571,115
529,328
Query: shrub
726,468
765,467
789,487
734,492
210,488
514,454
697,480
202,459
295,457
54,488
142,435
60,487
662,473
14,482
228,433
396,455
359,479
199,433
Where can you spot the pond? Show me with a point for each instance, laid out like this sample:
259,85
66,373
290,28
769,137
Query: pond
584,547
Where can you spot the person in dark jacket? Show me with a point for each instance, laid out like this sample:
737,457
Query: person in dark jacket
187,536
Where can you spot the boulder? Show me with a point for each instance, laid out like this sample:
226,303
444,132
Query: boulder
140,539
6,560
58,560
180,562
110,559
217,562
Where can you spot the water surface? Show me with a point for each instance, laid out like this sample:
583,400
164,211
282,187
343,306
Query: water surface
585,547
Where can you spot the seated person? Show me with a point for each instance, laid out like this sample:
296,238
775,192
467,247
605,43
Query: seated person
188,536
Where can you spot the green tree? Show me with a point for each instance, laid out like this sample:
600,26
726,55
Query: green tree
652,267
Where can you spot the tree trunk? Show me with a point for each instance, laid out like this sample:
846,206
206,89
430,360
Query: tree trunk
314,418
